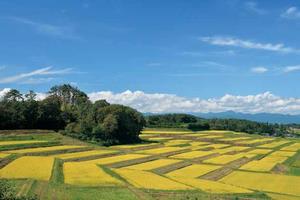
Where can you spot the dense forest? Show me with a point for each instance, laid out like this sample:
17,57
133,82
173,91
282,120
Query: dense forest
69,109
196,123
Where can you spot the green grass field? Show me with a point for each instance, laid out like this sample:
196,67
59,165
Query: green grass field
218,164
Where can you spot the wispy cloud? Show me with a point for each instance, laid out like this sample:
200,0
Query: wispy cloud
291,13
212,53
27,77
64,32
289,69
259,70
248,44
2,67
253,7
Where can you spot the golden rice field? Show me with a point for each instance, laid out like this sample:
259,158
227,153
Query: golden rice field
169,162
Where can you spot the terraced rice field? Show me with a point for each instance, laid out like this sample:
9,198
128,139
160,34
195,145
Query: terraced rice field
182,163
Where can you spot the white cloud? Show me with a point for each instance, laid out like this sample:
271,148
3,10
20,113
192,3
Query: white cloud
64,32
169,103
38,72
259,70
247,44
291,13
288,69
159,102
252,6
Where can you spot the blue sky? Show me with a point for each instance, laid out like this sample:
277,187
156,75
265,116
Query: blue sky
192,48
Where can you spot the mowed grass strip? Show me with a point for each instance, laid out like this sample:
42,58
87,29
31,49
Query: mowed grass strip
273,144
223,159
115,159
14,142
35,167
76,173
45,149
153,164
149,180
212,186
193,171
84,154
264,165
192,154
292,147
264,182
161,150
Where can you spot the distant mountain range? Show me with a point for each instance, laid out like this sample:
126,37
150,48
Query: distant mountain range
259,117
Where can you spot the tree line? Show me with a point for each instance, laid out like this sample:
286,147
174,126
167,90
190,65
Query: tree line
68,109
195,123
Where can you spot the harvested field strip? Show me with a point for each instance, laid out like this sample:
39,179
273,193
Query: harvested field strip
273,144
192,154
259,151
264,165
211,186
161,150
221,151
193,171
223,159
217,146
283,153
115,159
3,155
76,173
293,147
14,142
34,167
149,180
45,149
153,164
264,182
237,148
84,154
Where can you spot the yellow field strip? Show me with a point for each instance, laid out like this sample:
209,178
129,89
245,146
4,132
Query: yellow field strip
198,143
224,159
4,155
265,164
264,182
132,146
234,139
158,138
84,154
260,140
217,146
6,143
193,171
165,132
283,153
153,164
176,142
259,151
76,173
212,186
212,136
192,154
115,159
273,144
149,180
35,167
45,149
293,147
161,150
282,197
